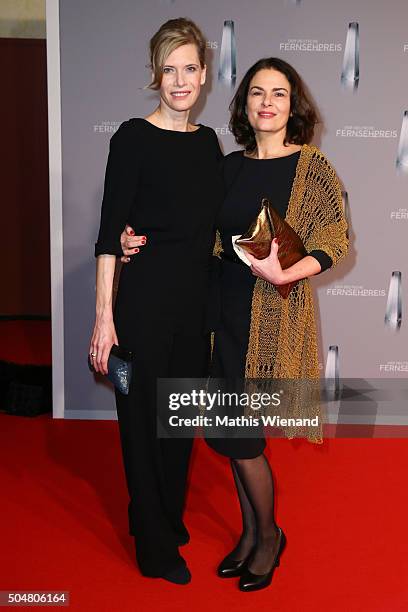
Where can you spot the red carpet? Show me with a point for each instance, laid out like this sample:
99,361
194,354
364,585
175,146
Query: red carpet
343,506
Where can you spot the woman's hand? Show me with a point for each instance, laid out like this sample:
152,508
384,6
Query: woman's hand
103,337
130,243
269,268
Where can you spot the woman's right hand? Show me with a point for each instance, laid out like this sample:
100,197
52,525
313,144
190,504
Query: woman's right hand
130,243
103,337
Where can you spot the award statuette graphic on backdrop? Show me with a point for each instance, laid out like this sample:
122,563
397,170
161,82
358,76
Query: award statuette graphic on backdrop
393,311
227,70
346,209
402,155
332,383
350,73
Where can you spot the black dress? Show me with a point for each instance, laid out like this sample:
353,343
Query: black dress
247,181
167,185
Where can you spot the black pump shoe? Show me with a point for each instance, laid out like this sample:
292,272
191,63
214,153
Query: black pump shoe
255,582
231,568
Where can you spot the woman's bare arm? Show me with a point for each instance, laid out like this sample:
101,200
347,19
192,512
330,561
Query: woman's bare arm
104,333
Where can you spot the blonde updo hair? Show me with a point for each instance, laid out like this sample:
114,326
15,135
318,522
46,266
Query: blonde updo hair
171,35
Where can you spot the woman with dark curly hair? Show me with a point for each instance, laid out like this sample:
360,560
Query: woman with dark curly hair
260,334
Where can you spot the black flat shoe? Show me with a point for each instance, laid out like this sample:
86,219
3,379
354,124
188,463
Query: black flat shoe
182,535
255,582
178,575
182,540
231,568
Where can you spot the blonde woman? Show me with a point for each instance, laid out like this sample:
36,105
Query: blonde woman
162,177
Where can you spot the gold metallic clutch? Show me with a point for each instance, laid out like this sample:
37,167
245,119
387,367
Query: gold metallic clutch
258,238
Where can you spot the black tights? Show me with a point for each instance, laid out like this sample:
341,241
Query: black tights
254,482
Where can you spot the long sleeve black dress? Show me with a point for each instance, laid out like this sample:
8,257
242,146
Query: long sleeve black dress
247,181
167,185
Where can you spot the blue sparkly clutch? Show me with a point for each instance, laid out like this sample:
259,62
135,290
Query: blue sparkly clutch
119,368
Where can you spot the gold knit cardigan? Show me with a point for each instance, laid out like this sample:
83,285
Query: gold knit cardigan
283,339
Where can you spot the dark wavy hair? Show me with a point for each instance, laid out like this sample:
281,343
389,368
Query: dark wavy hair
300,126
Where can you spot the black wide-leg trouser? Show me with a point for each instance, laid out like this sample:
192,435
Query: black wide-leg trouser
157,469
